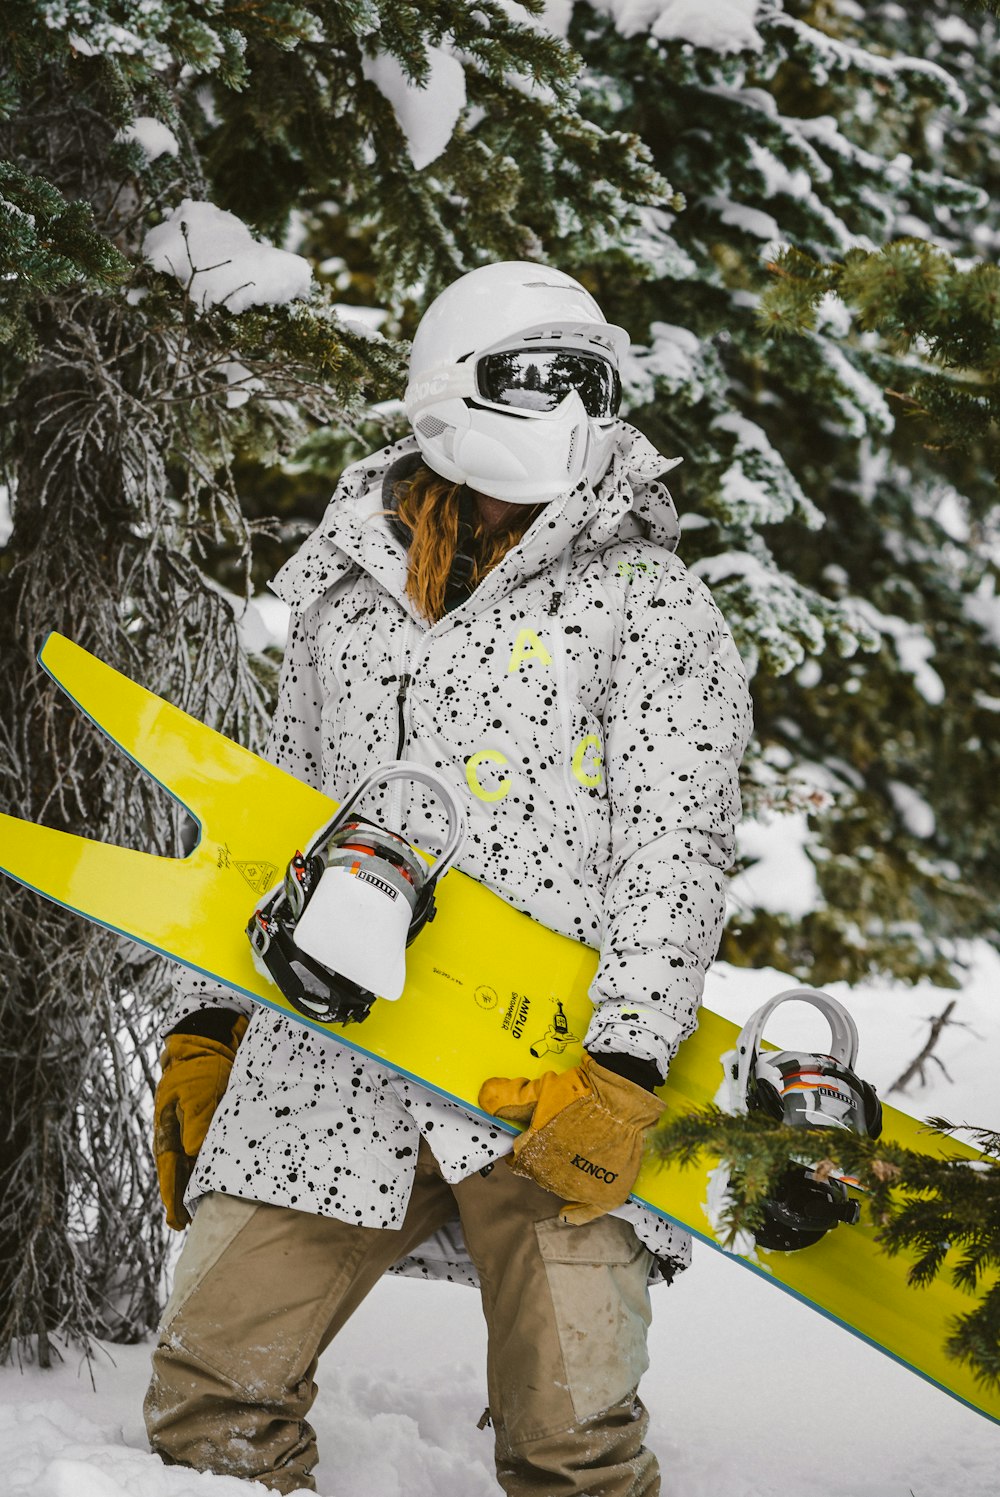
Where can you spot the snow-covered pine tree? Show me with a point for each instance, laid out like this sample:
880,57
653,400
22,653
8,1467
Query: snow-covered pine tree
928,520
845,469
848,555
152,342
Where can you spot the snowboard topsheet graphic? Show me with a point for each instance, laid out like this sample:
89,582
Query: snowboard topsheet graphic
489,992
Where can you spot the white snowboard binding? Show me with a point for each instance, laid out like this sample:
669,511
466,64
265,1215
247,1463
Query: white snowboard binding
809,1091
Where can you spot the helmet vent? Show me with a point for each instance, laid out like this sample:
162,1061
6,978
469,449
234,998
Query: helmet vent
430,426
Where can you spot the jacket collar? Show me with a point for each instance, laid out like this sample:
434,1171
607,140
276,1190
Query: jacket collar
628,503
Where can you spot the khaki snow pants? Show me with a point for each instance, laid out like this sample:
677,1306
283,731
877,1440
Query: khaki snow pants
260,1291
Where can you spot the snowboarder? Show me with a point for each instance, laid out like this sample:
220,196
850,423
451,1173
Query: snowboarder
495,596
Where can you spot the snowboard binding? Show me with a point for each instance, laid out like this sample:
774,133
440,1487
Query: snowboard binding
333,934
806,1091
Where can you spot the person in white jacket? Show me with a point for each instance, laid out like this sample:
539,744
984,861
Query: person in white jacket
496,597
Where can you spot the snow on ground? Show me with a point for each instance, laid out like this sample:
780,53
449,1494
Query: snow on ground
745,1384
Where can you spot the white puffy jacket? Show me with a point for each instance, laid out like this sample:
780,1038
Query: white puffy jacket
588,701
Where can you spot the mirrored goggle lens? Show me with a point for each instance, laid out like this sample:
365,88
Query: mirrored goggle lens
539,379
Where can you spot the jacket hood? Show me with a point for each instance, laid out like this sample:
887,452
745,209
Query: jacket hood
629,502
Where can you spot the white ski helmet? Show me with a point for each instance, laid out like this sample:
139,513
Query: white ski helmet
513,385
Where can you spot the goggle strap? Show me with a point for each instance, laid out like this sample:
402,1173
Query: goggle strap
446,382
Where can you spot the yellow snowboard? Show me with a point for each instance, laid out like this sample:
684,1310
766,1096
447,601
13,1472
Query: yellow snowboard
488,991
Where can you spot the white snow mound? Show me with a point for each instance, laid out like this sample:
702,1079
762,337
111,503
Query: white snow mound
216,258
427,116
156,138
723,26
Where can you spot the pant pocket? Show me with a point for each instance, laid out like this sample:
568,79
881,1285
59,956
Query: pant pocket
598,1281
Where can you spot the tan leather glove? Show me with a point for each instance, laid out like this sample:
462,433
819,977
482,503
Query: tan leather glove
584,1136
195,1076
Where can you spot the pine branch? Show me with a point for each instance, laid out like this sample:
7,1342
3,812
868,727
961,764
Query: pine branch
917,298
943,1211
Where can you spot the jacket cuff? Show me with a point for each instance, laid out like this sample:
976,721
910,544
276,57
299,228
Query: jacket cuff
209,1024
630,1068
194,994
633,1029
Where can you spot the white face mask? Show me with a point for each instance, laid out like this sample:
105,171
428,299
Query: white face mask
526,461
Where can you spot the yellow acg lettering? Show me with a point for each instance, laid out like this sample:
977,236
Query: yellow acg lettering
527,646
594,776
472,779
626,568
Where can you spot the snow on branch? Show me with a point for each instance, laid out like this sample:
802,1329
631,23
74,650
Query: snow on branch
155,138
826,55
722,26
219,263
776,621
913,648
427,114
758,487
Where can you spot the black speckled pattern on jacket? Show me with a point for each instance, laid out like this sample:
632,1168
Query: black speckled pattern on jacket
594,686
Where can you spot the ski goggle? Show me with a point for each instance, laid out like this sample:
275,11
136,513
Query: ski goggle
539,379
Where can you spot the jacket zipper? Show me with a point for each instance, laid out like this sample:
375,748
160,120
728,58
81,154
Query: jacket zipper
404,677
404,682
563,706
